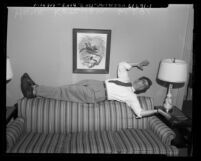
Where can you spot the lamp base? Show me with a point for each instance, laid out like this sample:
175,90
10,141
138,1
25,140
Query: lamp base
164,109
168,100
168,107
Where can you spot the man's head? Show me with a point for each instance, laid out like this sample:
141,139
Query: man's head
142,84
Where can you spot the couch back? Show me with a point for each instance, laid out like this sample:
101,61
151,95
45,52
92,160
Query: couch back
52,116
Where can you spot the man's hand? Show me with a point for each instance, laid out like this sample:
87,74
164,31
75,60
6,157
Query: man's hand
143,63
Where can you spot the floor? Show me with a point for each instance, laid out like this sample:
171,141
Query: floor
183,152
187,110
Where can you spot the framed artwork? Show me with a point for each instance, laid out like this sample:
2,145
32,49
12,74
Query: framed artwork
91,51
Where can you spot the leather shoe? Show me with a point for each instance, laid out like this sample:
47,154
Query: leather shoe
25,75
26,86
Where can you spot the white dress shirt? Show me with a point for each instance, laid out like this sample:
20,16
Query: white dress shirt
122,93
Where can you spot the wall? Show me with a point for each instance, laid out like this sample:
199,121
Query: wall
187,54
39,42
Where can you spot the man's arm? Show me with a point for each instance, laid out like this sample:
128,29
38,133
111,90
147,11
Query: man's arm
124,67
140,65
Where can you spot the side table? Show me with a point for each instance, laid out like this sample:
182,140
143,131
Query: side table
11,112
181,125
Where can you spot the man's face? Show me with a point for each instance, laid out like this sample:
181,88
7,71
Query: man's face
140,84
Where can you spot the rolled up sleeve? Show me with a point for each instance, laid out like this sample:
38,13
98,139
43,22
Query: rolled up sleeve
123,69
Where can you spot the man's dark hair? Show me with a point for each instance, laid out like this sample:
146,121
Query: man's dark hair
144,90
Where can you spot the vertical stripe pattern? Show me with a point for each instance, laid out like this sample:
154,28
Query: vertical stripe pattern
124,141
13,131
162,130
53,126
50,116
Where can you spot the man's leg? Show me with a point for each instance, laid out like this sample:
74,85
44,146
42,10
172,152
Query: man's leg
96,86
74,92
87,91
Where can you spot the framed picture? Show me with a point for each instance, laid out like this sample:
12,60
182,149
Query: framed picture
91,51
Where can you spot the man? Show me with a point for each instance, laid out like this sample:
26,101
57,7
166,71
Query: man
91,91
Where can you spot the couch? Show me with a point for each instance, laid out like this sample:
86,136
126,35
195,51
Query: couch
51,126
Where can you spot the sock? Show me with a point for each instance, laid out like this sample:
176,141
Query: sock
34,89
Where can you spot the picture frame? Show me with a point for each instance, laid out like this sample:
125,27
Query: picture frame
91,51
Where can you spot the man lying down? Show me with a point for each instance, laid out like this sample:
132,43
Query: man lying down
92,91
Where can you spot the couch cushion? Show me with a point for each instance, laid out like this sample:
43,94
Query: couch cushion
39,143
91,142
53,116
123,141
81,142
137,141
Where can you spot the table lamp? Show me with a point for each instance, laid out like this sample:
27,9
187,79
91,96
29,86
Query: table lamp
172,71
9,72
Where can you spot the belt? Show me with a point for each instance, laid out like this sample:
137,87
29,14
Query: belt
105,88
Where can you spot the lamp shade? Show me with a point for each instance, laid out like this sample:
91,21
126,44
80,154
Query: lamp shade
173,71
9,72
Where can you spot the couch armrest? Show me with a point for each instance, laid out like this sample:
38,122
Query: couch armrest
161,130
13,131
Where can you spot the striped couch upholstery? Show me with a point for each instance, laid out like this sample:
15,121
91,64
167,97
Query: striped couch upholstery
52,126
